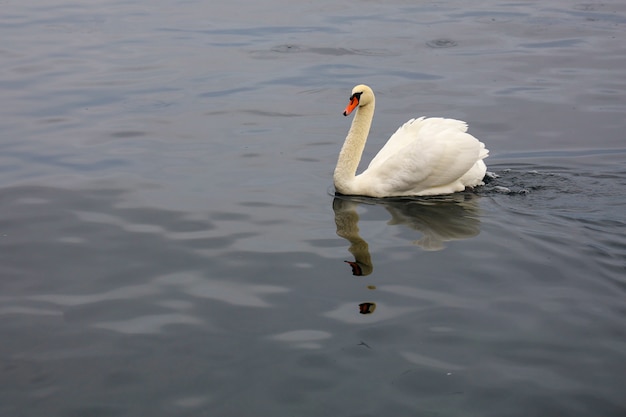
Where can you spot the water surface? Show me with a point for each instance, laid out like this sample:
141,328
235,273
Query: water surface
170,244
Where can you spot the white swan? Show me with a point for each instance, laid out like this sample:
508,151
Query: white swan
424,157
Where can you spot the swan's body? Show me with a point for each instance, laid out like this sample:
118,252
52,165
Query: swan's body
424,157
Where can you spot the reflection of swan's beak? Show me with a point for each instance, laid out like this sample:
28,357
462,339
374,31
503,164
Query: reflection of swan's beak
356,268
367,308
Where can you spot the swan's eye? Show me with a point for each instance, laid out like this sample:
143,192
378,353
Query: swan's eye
356,95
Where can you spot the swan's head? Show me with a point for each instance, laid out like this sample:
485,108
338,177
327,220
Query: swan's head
361,96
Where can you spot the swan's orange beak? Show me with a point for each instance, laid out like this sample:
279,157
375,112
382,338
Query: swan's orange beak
354,101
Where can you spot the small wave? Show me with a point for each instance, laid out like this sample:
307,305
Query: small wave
441,43
332,51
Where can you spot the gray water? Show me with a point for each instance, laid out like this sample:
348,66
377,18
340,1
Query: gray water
170,244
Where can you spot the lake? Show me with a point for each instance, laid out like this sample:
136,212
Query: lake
171,245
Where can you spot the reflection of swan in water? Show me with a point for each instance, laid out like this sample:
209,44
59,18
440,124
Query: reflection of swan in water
454,217
439,219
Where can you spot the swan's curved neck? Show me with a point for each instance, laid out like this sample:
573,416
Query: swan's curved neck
352,148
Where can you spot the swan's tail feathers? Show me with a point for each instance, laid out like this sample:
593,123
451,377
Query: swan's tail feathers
484,152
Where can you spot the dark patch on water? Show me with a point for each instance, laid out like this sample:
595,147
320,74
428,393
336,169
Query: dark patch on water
226,92
128,134
442,43
332,51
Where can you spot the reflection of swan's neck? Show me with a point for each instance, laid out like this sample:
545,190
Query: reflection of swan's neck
346,220
352,149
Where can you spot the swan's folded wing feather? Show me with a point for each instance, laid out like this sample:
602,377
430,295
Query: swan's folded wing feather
415,131
436,155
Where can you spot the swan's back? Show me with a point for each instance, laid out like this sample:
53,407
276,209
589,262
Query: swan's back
426,156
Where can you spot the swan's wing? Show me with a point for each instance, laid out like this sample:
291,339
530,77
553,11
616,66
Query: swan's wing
413,130
424,153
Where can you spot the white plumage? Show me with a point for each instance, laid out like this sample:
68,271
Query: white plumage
425,156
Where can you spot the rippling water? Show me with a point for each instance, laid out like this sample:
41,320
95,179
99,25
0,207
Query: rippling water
170,244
